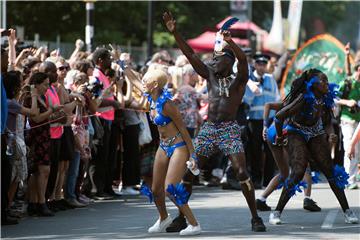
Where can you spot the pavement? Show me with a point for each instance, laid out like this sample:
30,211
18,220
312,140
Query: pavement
223,214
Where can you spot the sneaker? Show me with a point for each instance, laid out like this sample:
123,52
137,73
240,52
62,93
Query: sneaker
350,217
129,191
262,206
310,205
84,199
160,226
191,230
74,203
257,225
178,224
353,186
103,196
274,218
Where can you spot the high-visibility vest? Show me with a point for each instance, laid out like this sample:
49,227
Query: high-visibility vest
52,99
107,113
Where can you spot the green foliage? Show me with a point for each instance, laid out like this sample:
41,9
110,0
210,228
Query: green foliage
162,39
120,22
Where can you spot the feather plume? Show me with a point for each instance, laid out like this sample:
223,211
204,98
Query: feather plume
229,23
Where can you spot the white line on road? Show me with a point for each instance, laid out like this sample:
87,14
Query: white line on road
329,219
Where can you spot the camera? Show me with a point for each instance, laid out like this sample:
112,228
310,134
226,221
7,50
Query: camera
356,108
95,87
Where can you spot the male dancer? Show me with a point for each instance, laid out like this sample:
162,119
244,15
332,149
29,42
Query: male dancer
226,90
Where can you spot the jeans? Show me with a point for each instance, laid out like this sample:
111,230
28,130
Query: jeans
72,175
350,165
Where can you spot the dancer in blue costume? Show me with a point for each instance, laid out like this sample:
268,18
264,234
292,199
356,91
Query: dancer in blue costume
281,158
307,108
170,160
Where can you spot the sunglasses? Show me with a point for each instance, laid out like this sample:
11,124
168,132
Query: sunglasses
63,68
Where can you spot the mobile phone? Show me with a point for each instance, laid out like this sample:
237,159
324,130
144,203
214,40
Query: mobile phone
6,32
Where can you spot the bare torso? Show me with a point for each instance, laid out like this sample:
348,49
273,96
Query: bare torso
223,108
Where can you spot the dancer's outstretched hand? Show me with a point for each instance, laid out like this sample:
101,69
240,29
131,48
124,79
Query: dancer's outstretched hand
169,21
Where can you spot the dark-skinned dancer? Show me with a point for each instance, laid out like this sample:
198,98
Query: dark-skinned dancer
221,131
308,109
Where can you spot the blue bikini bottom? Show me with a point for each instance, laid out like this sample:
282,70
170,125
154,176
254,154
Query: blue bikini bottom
169,150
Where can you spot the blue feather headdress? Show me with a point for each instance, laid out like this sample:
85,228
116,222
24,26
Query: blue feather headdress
229,23
219,42
178,193
328,98
331,95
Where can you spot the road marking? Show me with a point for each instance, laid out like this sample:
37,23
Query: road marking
329,219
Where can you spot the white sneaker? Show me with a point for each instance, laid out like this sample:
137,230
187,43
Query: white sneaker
274,218
129,191
350,216
160,227
191,230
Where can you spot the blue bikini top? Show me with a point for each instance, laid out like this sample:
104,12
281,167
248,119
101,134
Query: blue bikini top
159,119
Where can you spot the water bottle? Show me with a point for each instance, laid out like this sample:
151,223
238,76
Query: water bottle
194,171
10,144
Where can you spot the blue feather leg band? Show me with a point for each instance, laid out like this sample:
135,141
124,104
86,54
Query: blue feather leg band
146,191
178,193
296,188
340,177
315,177
281,182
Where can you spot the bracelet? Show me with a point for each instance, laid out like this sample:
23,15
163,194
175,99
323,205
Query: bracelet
276,120
193,156
267,122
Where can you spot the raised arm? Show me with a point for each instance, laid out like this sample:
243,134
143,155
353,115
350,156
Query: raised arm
347,60
194,60
242,65
271,106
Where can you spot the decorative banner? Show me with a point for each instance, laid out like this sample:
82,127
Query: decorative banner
294,20
274,42
323,52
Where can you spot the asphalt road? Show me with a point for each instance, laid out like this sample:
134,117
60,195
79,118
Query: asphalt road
223,214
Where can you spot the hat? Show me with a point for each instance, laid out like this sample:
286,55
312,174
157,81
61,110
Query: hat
261,58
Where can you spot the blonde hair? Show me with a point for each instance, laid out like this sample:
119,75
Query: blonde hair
156,75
